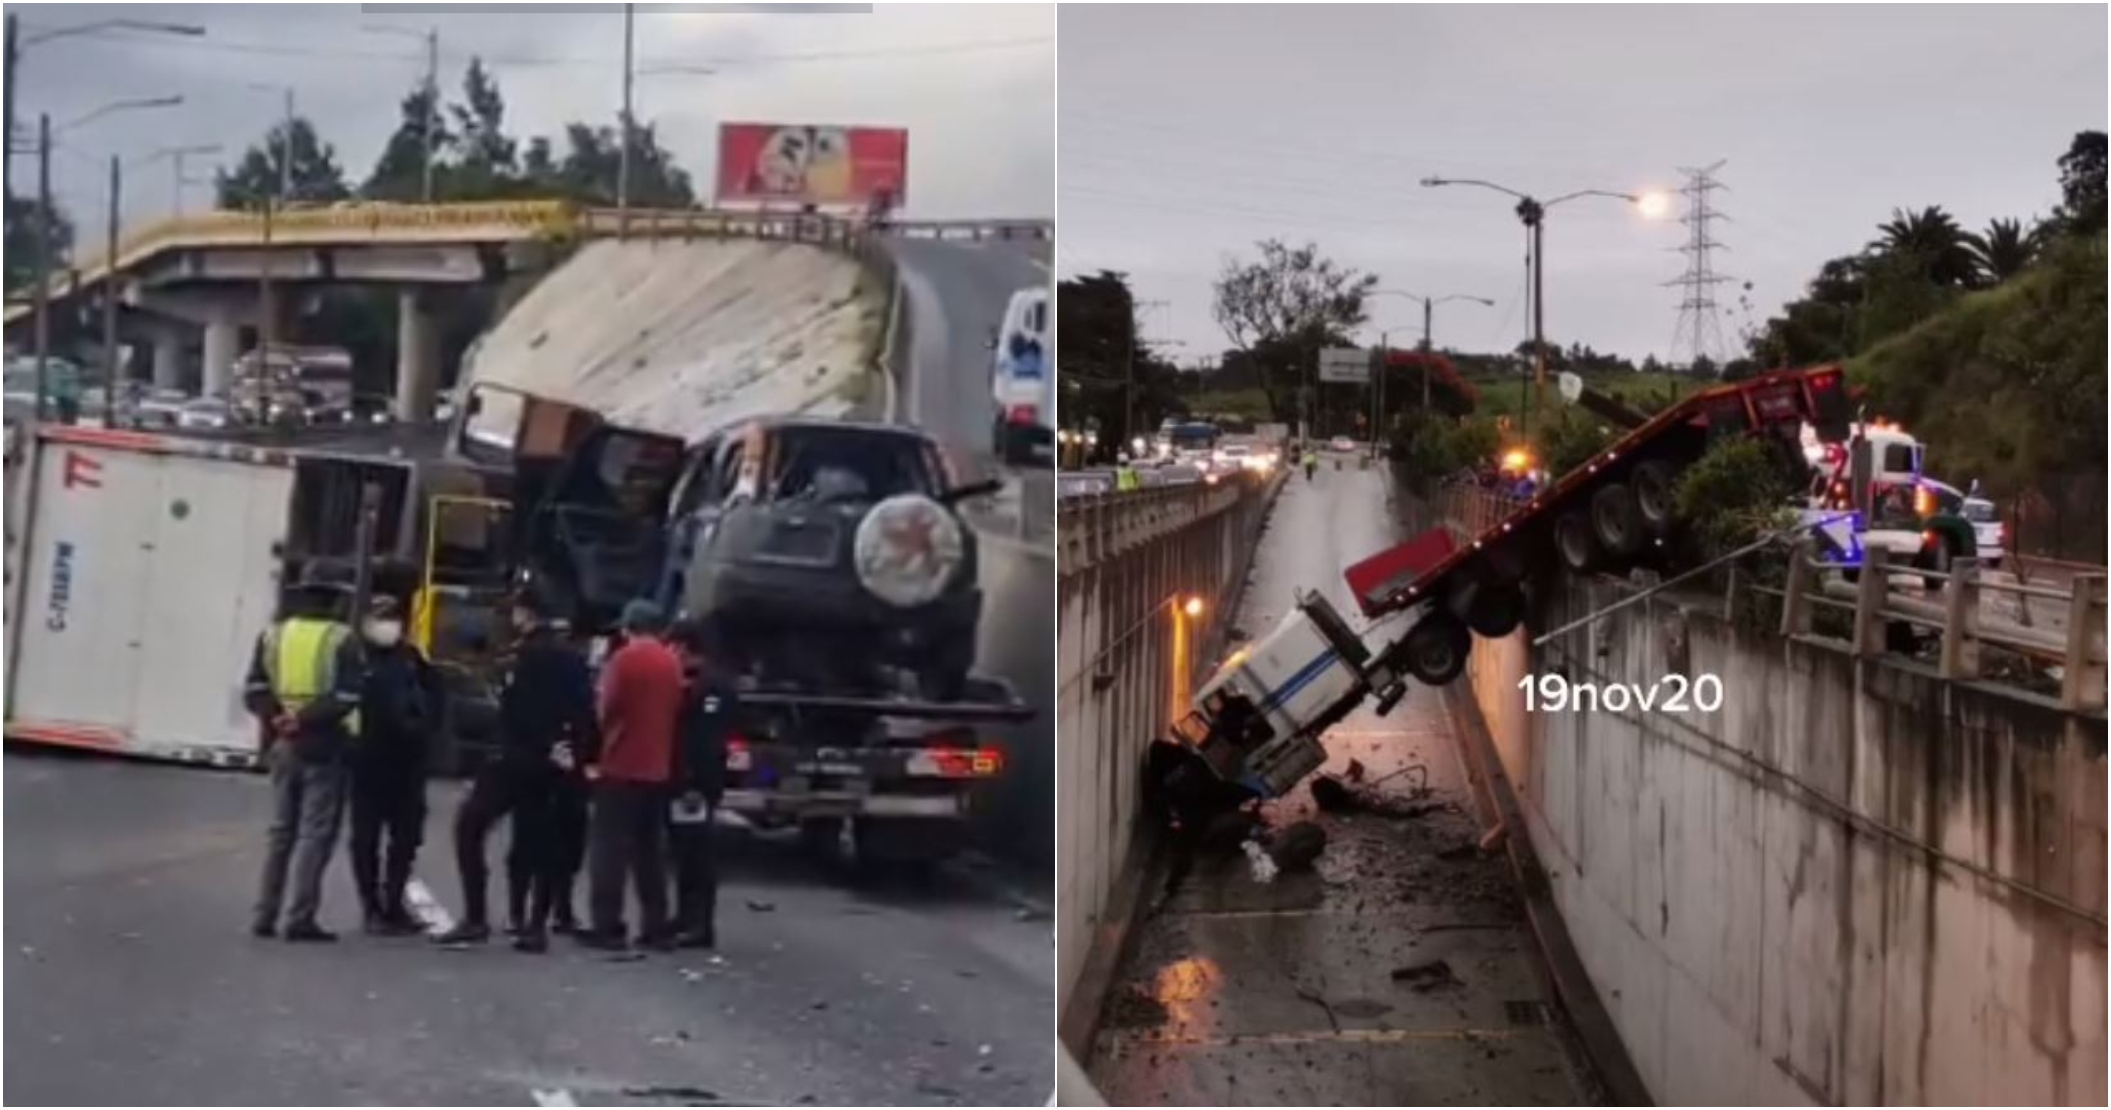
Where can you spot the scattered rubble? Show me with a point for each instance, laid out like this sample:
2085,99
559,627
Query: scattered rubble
1427,976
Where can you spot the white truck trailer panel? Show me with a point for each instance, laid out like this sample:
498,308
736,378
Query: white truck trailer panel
150,570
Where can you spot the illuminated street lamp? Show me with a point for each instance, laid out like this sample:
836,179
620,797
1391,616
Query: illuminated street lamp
1532,212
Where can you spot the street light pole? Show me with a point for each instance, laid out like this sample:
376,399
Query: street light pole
16,41
43,289
1532,211
110,359
623,153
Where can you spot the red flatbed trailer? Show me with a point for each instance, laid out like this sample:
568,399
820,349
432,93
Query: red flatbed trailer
1434,567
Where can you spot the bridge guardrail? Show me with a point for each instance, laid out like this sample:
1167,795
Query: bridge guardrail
1884,594
504,221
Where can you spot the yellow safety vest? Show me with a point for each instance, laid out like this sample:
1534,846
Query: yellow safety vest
300,658
1127,479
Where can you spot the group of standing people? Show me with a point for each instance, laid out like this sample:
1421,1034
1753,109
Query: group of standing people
596,778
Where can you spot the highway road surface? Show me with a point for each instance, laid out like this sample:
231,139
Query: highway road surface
132,977
1399,970
957,292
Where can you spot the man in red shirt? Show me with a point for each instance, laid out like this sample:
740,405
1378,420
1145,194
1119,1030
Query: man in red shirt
641,704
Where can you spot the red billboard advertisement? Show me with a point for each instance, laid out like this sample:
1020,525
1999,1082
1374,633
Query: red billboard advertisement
783,163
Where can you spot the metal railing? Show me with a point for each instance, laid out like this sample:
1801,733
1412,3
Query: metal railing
1883,594
1965,630
1096,527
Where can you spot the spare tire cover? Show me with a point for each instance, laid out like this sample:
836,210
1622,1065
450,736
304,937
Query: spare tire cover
908,549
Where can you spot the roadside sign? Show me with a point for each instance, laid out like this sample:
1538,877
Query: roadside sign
1345,364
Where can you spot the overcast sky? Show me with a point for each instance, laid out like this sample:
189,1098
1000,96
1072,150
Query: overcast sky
1188,133
975,86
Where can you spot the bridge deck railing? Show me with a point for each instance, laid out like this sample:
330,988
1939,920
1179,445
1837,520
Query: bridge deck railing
1885,594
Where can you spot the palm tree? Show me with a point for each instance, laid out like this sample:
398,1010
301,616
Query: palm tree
2003,250
1931,236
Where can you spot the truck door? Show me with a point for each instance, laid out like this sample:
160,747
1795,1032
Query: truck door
211,588
90,538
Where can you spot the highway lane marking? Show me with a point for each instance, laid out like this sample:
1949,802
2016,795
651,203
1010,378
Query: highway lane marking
552,1096
429,912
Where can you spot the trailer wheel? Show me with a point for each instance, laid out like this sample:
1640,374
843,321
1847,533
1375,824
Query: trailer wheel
1436,649
1615,521
1494,610
1574,542
1654,500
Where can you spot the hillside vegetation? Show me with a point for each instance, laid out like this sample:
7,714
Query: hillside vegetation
2007,385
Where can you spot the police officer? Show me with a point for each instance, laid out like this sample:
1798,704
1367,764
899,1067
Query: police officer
399,715
304,685
708,716
546,723
1311,461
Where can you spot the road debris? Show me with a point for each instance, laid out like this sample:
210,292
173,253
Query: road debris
1264,869
1130,1008
1298,846
1427,976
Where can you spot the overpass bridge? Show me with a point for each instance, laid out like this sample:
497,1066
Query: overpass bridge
204,273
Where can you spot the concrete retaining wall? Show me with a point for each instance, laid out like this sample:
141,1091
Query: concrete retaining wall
1124,659
1854,883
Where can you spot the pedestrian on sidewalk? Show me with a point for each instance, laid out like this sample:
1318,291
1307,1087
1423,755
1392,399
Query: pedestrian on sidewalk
304,685
641,703
709,712
546,718
398,715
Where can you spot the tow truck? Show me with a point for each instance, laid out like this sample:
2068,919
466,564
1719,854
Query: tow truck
590,512
1254,729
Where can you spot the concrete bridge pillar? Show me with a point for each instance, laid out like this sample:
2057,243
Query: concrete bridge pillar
168,359
223,337
417,355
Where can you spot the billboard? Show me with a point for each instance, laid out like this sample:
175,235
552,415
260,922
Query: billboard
795,164
1345,364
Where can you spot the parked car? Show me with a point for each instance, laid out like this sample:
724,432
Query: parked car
828,555
1342,443
204,413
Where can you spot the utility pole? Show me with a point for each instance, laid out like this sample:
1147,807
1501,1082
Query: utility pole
432,105
1699,328
110,360
623,154
267,306
43,289
13,52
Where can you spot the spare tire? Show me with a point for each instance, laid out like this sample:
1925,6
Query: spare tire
1575,543
1615,521
1436,648
1655,501
907,550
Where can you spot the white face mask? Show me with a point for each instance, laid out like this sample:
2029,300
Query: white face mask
384,633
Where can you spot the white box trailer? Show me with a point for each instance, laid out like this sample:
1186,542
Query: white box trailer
141,569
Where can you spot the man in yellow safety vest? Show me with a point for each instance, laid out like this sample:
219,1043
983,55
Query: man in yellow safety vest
304,684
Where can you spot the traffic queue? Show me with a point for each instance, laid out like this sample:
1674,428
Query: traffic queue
602,780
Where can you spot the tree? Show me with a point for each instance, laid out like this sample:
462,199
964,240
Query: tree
316,176
486,166
2082,183
24,216
592,162
399,174
1103,355
1283,309
2002,250
1931,238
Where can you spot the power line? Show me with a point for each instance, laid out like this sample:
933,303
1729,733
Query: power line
1699,331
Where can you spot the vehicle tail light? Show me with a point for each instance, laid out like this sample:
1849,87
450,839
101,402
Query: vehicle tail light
1023,414
738,757
956,763
1927,539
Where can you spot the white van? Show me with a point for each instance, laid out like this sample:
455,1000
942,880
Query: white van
1022,381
